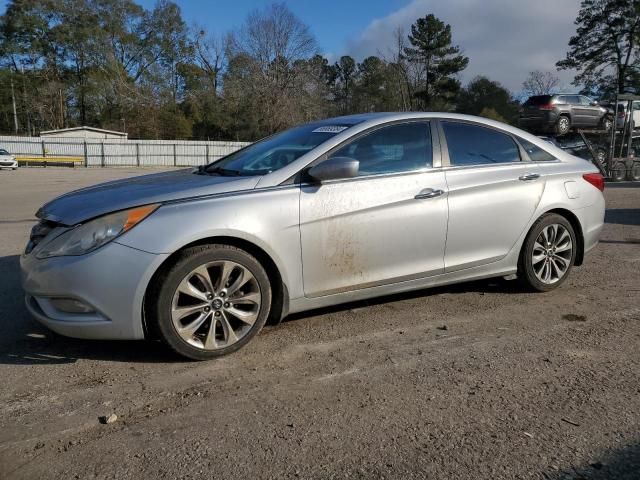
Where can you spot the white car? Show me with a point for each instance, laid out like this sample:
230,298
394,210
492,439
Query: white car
622,114
7,160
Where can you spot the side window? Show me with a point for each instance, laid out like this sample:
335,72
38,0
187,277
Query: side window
573,99
395,148
585,101
536,154
475,145
563,99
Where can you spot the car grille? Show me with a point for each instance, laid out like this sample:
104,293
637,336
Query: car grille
39,231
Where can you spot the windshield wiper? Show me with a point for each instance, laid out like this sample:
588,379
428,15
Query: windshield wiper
225,172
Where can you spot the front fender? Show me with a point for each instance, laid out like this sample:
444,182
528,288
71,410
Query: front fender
267,218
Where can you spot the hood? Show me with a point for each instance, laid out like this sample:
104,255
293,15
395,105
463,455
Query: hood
80,205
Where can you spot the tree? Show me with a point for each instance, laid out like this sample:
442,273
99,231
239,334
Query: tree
540,83
487,98
343,77
604,49
261,69
438,59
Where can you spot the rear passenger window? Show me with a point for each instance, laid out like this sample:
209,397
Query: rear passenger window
536,154
475,145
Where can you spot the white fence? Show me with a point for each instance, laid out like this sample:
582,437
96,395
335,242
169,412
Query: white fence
118,153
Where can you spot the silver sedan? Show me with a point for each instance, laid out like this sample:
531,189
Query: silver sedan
329,212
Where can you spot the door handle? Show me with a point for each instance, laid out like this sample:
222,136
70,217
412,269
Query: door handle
527,177
429,193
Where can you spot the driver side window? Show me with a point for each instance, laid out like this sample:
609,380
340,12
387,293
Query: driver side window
392,149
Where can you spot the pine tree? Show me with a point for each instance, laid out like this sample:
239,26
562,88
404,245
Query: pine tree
431,48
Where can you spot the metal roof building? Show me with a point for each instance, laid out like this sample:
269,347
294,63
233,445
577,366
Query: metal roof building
84,132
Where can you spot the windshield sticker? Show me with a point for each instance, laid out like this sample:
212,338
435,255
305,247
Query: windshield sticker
329,129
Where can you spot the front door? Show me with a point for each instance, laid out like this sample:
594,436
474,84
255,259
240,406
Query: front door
492,194
387,225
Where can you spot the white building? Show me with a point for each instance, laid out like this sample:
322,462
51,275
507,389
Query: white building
84,132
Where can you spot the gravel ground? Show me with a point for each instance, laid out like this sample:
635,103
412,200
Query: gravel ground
475,381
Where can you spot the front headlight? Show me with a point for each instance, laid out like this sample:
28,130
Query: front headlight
92,235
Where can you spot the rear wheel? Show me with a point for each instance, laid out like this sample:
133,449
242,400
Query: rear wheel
634,173
618,171
548,253
211,302
563,126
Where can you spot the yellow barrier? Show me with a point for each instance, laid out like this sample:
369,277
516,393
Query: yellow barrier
44,160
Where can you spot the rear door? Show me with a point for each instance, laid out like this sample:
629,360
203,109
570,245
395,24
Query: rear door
492,193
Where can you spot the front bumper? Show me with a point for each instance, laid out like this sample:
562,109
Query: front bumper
8,164
112,280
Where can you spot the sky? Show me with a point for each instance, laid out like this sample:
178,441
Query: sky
504,39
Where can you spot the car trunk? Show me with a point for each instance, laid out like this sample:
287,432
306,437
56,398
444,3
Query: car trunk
531,108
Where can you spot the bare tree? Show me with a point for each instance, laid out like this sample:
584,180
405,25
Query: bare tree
262,54
210,55
540,83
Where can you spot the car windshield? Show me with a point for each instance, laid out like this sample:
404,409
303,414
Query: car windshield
274,152
3,152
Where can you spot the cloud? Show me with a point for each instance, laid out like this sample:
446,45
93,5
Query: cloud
504,39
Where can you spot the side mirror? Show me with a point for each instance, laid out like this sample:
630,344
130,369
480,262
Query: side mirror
593,103
335,168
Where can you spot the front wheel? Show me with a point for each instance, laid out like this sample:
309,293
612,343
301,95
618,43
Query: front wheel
548,253
606,123
211,302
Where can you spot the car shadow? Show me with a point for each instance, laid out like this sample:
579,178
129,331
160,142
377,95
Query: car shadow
623,216
491,285
621,464
23,341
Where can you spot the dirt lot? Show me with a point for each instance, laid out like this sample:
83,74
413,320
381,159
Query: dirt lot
474,381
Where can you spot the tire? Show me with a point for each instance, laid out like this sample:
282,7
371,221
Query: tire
606,123
634,173
618,171
601,156
563,125
237,311
532,271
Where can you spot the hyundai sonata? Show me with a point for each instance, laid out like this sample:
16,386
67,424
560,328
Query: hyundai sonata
329,212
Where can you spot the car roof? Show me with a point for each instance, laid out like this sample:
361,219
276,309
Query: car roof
355,118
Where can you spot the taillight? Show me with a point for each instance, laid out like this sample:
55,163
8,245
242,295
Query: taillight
548,106
595,179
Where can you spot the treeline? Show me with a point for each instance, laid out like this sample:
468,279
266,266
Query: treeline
115,65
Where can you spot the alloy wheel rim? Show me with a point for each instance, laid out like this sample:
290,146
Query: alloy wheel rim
216,305
552,252
564,124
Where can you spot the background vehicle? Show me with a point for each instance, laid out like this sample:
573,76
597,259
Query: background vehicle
7,160
622,114
358,207
574,144
560,112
